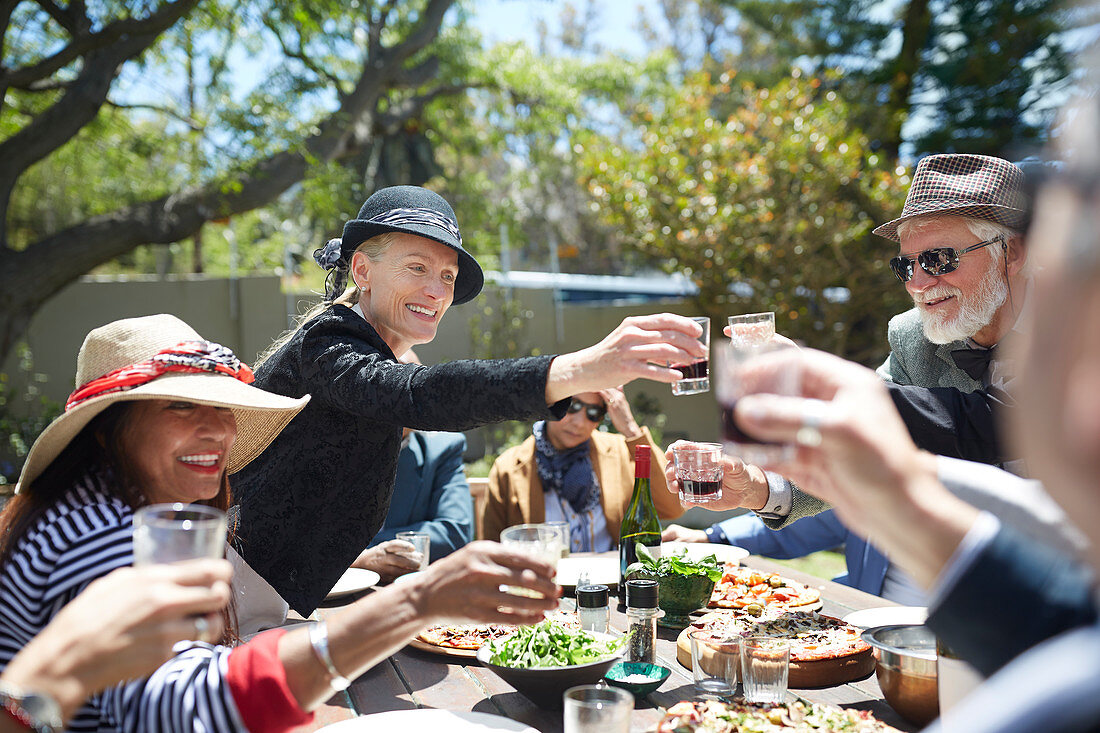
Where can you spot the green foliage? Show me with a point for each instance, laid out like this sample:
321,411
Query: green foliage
768,208
675,564
549,644
24,414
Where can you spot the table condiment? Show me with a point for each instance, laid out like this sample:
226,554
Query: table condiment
592,607
642,613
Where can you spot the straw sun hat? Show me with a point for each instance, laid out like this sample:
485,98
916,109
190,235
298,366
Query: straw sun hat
156,358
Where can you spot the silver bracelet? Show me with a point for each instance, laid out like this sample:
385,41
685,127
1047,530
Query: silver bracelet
318,639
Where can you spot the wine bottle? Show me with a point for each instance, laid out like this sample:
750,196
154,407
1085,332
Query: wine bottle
640,525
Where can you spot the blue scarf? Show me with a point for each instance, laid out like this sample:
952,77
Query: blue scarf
568,472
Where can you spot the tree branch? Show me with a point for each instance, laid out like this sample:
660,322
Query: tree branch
81,44
301,57
79,104
395,117
419,74
62,18
189,121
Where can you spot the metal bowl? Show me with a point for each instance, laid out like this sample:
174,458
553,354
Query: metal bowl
906,670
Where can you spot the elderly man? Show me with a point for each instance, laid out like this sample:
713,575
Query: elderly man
866,466
962,260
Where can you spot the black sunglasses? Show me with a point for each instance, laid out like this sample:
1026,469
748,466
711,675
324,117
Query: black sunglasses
935,262
595,413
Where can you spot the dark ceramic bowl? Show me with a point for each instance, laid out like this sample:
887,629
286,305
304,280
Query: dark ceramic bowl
679,596
545,685
655,674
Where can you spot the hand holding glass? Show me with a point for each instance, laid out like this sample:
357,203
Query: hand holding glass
735,362
174,532
421,542
752,328
534,540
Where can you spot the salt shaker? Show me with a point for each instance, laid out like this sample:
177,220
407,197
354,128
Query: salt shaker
642,614
592,607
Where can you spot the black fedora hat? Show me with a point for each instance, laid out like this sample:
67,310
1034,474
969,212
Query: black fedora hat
418,211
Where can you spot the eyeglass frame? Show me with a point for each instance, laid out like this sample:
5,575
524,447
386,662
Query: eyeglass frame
951,265
589,409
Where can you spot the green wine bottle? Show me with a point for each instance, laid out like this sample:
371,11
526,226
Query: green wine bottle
640,525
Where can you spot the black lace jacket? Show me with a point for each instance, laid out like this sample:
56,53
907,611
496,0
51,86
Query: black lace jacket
312,501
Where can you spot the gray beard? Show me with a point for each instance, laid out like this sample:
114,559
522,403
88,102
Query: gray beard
975,312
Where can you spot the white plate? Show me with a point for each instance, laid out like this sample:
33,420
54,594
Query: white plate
699,550
886,616
600,570
406,577
352,581
428,720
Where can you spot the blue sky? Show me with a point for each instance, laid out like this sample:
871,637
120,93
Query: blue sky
509,20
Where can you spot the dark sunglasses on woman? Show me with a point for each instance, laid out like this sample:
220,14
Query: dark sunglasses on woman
935,262
595,413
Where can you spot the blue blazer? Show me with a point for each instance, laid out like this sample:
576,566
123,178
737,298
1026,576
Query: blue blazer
866,565
431,493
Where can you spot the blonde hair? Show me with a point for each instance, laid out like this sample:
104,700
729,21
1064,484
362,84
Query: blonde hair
373,248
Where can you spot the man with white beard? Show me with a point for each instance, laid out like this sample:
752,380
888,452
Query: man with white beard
963,261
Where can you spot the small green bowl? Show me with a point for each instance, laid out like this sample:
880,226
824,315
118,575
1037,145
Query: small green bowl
655,674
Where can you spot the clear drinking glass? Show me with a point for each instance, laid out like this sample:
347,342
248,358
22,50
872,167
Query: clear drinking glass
422,542
699,471
765,663
174,532
563,531
753,328
697,374
534,540
715,663
596,709
738,373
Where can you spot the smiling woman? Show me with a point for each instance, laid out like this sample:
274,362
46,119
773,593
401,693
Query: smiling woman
315,499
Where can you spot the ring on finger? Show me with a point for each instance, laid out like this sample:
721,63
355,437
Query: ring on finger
814,413
202,626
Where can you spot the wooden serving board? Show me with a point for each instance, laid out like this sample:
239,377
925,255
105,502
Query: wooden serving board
447,651
815,673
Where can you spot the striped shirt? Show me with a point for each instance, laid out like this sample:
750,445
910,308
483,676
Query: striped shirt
87,534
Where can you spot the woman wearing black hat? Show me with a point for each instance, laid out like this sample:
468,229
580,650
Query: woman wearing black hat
315,498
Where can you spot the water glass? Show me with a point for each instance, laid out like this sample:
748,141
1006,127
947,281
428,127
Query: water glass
534,540
174,532
697,374
422,544
715,662
562,529
740,369
597,709
699,471
752,328
765,663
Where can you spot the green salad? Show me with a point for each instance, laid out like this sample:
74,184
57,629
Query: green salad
676,564
549,644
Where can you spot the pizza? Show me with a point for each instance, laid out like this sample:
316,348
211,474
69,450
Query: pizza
824,650
711,716
755,591
464,636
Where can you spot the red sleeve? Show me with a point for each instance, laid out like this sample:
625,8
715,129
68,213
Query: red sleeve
257,680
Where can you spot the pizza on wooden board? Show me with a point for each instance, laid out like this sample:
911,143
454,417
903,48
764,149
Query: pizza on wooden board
711,716
754,591
464,636
824,650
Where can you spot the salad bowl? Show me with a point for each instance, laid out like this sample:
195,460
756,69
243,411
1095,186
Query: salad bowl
544,686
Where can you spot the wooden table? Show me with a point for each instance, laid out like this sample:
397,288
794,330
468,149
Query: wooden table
410,678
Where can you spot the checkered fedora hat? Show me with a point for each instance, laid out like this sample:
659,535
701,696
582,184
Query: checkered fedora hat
977,186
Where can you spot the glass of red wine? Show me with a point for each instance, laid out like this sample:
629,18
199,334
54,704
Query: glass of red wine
699,471
697,374
734,362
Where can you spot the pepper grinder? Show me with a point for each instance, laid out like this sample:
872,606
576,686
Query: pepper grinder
642,614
